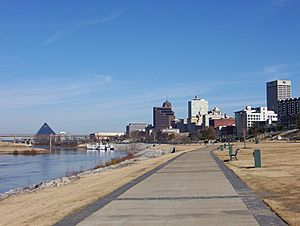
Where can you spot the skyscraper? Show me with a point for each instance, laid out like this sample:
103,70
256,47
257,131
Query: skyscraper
163,116
196,109
278,90
289,113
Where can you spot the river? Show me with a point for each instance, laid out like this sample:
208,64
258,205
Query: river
21,171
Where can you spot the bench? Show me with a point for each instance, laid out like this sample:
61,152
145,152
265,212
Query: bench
234,156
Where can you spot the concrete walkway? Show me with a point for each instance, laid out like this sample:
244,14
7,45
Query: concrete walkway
191,190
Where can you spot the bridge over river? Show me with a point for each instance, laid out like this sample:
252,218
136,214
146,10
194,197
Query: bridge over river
16,136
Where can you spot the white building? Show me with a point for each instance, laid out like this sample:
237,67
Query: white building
215,113
106,135
170,131
246,118
196,109
278,90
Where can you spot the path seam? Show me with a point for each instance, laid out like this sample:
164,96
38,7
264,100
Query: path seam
80,215
262,212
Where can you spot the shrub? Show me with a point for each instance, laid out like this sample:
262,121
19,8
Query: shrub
30,152
114,161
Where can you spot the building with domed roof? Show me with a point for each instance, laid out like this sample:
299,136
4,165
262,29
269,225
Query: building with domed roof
163,116
167,104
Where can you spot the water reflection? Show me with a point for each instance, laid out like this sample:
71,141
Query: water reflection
20,171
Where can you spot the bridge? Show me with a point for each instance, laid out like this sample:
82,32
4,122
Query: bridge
16,136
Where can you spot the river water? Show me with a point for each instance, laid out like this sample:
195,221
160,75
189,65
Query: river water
21,171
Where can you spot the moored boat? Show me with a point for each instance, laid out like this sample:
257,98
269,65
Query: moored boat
99,146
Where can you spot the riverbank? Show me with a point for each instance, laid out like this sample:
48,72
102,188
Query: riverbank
48,204
20,149
278,181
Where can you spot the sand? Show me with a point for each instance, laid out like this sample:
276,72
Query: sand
49,205
10,148
278,181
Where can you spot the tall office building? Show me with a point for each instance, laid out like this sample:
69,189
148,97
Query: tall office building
289,112
278,90
196,109
163,116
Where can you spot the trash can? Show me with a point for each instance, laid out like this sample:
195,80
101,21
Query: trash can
257,158
230,150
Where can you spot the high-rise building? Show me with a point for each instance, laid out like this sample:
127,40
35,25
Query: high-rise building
289,112
196,109
278,90
246,118
163,116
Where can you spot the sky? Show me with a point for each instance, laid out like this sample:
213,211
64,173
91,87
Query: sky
87,66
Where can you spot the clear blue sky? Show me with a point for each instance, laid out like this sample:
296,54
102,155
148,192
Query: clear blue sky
85,66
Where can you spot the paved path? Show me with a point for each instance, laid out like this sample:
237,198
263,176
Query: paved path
191,190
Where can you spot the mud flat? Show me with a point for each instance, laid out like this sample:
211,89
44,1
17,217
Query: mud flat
21,149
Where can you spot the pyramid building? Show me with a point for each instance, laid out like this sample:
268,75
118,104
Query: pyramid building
45,130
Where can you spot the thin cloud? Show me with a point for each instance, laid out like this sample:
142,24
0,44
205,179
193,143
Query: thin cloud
100,20
56,36
277,71
114,101
48,91
104,78
75,26
239,102
281,3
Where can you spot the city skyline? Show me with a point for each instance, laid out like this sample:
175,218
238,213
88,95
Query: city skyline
97,66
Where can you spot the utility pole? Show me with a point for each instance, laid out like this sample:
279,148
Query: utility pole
50,143
244,134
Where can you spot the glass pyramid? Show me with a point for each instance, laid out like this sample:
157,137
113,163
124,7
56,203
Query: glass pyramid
45,130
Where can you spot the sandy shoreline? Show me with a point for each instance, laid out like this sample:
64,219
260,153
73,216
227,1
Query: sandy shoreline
47,205
12,148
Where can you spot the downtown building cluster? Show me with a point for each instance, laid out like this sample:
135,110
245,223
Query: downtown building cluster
282,111
199,118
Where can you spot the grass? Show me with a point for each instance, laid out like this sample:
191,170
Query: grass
278,181
114,161
111,162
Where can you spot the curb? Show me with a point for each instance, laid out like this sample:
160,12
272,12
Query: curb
85,212
261,211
